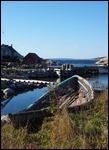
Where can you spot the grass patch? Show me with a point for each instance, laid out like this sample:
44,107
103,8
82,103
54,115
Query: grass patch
84,129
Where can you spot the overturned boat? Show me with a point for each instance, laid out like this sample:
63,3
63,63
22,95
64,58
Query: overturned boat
74,91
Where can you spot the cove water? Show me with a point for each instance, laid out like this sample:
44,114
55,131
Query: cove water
23,100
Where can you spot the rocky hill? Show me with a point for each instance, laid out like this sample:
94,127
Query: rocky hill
102,61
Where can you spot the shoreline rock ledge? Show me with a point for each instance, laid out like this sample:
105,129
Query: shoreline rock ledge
102,61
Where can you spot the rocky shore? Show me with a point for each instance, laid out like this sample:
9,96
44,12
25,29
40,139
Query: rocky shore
10,88
12,73
102,61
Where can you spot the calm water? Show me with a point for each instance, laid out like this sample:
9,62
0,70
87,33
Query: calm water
99,81
76,62
21,101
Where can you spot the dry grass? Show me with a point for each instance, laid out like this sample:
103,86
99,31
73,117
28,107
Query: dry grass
85,129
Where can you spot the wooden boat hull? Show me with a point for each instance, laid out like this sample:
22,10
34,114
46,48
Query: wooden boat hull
31,119
65,93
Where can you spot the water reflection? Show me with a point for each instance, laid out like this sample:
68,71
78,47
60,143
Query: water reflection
99,82
4,103
21,101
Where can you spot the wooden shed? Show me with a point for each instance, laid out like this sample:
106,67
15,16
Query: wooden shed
31,58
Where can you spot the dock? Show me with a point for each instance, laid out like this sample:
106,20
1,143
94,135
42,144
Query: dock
28,81
68,70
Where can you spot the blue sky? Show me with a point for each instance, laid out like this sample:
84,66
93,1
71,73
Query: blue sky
56,29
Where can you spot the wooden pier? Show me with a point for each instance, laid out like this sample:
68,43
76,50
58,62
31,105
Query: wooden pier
28,81
68,70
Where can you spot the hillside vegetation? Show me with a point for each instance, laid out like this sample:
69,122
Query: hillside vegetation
86,128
